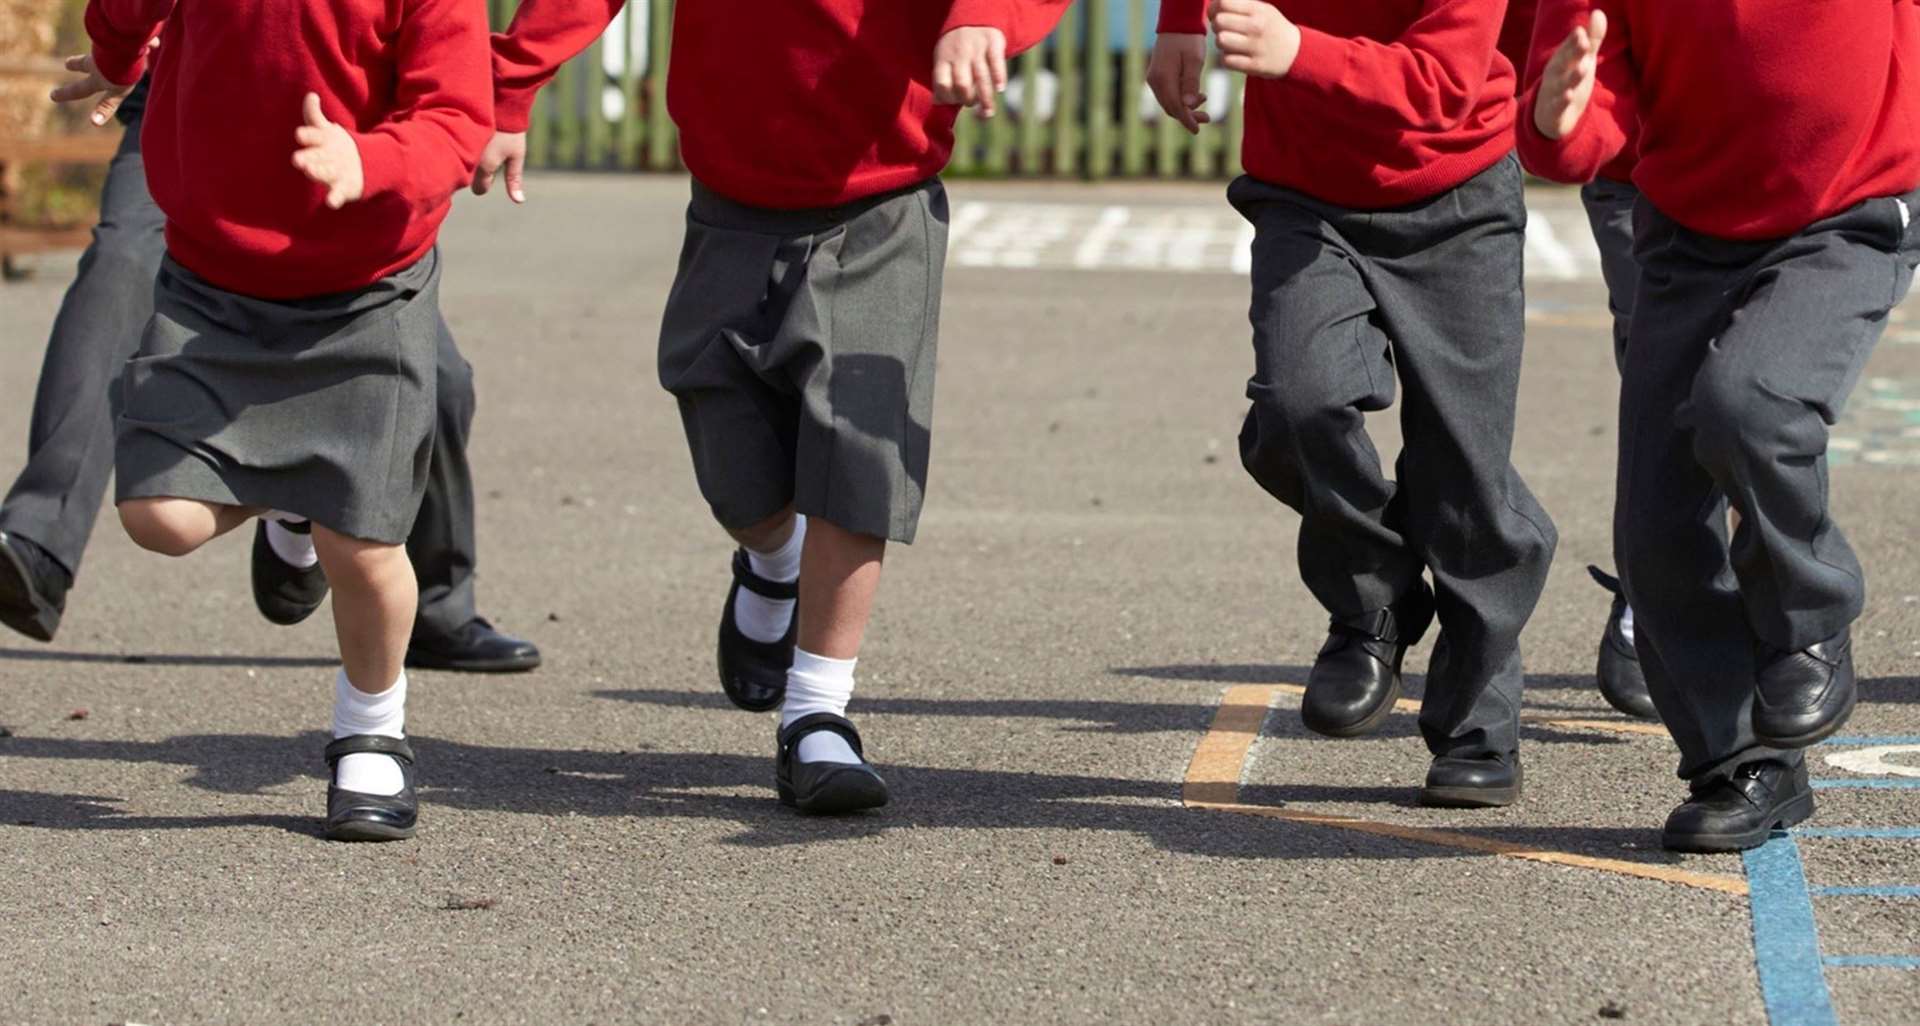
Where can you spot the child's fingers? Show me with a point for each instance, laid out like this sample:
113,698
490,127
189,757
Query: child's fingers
308,136
105,108
1597,27
82,63
962,88
1234,23
336,198
516,171
310,110
1234,44
71,91
1236,61
983,85
943,81
1246,7
482,180
997,61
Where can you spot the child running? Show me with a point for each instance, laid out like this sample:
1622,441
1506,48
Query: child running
305,154
1779,157
1609,201
799,334
1389,221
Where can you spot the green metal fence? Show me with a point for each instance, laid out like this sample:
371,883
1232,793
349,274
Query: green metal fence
1076,107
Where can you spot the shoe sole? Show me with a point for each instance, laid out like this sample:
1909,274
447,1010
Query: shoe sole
22,608
1792,814
472,665
860,794
1819,734
1372,723
354,830
1469,797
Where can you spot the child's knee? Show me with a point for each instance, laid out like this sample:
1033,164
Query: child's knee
348,559
171,527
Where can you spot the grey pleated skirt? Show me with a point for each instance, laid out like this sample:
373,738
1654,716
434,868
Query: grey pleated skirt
319,407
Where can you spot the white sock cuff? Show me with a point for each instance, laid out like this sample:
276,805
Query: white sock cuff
817,684
783,563
356,712
295,548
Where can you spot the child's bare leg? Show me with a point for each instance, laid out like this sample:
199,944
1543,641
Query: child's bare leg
839,576
175,527
375,598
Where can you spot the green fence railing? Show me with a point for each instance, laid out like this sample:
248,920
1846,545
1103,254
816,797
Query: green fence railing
1076,107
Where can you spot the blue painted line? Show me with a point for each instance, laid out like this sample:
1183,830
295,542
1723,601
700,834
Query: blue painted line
1786,944
1882,833
1872,962
1864,740
1869,783
1887,891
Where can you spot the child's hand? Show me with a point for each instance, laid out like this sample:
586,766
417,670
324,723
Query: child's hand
1254,37
1173,73
1567,85
969,67
328,156
94,84
505,149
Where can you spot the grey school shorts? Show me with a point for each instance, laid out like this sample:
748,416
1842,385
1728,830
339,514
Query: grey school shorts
800,347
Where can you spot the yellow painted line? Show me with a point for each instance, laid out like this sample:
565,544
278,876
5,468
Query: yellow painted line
1213,783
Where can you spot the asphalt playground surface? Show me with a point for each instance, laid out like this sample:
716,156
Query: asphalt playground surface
1081,684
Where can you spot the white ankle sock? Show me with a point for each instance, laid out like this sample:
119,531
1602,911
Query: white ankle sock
356,712
295,548
1626,624
763,619
817,684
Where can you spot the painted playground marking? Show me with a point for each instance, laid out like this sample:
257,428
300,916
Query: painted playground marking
1190,238
1875,761
1213,782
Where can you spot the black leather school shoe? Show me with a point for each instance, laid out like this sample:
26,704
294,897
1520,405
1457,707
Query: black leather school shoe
477,647
1618,670
1738,813
1356,678
1801,698
356,816
285,594
33,588
1454,783
826,787
754,673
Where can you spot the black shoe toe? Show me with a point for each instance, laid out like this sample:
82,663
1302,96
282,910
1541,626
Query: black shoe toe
475,648
1476,783
285,594
826,788
1801,698
1740,812
754,673
357,816
33,588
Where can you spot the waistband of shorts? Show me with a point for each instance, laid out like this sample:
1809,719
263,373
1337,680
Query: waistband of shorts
710,207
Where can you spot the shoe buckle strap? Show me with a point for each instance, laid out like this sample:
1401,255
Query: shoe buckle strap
791,734
774,591
355,744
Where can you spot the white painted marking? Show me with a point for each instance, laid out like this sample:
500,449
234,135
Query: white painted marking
965,220
1873,762
1093,246
1545,242
1243,248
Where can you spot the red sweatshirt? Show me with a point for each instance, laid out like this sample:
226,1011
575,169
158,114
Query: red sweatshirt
1756,117
1516,35
1550,25
408,78
1389,101
787,104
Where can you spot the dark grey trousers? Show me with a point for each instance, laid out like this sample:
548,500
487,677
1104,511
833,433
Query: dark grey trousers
57,496
1741,357
1609,207
1343,301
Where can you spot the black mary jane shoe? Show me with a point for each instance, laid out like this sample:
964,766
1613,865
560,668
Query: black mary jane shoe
1356,678
754,673
827,788
1739,812
33,588
1801,698
477,647
1486,783
1618,670
285,594
357,816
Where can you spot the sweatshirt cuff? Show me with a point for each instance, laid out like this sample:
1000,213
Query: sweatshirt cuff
1322,60
1566,159
1183,17
996,14
513,108
119,67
